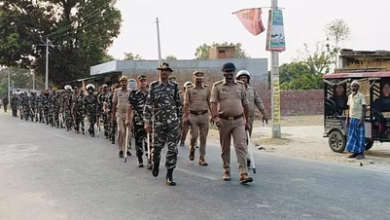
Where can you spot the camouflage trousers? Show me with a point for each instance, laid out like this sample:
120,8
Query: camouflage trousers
112,129
56,117
51,116
92,122
164,133
140,139
105,125
79,119
46,115
26,112
68,119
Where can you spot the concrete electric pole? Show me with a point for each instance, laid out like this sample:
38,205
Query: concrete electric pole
158,41
47,44
276,131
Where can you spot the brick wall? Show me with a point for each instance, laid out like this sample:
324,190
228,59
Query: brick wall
308,102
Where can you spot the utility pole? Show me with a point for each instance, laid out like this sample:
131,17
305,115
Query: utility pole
9,87
276,131
33,78
47,44
158,41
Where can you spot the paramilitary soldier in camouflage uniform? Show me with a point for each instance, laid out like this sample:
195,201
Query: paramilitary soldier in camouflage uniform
78,111
136,106
66,105
163,111
45,106
90,108
33,100
113,124
72,111
103,100
57,100
25,106
14,105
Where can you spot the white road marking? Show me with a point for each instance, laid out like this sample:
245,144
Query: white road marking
71,139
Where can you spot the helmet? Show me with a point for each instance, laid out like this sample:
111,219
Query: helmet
228,67
90,86
243,73
68,87
104,86
188,83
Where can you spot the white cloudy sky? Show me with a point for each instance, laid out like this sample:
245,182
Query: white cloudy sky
185,24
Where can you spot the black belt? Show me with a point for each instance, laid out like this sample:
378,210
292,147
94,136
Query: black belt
199,112
232,118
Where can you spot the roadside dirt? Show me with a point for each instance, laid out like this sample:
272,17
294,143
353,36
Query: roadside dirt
302,138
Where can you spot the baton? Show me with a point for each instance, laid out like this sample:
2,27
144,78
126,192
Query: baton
251,152
126,143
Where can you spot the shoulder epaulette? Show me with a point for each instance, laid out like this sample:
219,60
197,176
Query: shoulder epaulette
218,82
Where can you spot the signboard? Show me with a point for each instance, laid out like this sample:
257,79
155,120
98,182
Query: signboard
276,102
275,33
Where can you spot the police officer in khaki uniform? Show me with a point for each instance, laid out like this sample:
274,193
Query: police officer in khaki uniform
186,125
120,101
231,118
196,109
254,101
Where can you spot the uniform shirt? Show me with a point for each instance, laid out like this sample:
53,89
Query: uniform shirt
197,98
166,102
121,98
137,102
90,105
230,98
254,100
355,104
67,101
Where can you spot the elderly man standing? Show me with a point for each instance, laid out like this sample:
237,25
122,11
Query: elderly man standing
196,109
254,101
120,100
163,110
356,140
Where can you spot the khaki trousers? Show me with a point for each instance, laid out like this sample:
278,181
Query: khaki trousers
121,132
236,129
199,126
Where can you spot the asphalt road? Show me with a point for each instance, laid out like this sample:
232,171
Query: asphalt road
48,173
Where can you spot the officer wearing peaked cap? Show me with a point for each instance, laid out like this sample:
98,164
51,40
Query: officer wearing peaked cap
196,109
120,100
229,106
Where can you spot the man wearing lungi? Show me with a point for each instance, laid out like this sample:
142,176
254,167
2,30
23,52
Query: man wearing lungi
355,121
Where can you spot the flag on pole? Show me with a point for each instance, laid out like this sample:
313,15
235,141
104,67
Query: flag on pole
251,19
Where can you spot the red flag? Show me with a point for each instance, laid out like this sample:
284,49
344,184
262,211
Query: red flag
251,19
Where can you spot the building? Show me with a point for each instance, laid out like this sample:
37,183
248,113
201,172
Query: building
354,58
110,72
222,52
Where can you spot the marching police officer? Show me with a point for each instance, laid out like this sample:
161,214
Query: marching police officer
231,118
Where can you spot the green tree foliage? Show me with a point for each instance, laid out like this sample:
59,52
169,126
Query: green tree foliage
81,30
170,57
131,56
306,71
202,51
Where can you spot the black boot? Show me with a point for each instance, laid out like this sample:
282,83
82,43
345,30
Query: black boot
140,162
120,154
169,178
156,168
248,162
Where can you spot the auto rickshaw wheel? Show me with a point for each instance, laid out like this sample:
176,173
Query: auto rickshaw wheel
369,144
336,141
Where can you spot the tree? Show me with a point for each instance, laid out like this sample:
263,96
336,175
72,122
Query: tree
202,51
81,30
131,56
170,57
336,32
107,58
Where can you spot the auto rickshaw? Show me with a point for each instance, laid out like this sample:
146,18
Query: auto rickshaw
375,86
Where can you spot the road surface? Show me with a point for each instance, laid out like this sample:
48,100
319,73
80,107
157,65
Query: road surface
48,173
